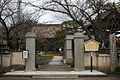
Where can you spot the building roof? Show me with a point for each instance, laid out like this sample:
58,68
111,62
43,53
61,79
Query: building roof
92,41
46,30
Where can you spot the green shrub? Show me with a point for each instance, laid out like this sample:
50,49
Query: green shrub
117,69
41,63
2,72
46,57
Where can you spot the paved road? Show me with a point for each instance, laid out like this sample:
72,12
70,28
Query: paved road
81,78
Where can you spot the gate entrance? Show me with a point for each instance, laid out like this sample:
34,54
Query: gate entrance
44,60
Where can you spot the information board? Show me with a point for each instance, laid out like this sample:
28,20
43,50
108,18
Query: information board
25,54
91,45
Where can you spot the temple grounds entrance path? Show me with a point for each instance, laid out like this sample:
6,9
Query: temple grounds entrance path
56,64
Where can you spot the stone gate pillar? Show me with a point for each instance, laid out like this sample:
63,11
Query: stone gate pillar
113,54
68,47
79,51
30,46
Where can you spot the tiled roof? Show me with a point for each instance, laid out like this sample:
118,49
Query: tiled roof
46,31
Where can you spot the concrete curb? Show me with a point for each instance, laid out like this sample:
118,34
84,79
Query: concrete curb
54,74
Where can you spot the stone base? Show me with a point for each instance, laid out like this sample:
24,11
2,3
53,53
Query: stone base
69,61
33,69
79,69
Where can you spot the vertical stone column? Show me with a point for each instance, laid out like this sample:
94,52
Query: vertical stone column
30,46
79,51
68,47
113,54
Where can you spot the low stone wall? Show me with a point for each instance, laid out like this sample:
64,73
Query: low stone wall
100,61
87,61
104,62
15,58
6,60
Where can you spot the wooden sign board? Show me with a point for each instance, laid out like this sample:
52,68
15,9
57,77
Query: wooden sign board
25,54
91,45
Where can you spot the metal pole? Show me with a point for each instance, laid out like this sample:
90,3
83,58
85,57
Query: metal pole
91,55
11,60
25,64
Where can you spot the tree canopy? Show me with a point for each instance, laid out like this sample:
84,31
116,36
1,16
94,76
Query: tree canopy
95,17
10,20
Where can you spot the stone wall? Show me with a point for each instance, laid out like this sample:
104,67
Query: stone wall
87,60
6,60
16,59
104,62
100,62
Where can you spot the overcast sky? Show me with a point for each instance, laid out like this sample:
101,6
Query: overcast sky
53,18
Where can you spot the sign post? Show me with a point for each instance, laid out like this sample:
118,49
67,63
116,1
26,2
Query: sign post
91,46
91,60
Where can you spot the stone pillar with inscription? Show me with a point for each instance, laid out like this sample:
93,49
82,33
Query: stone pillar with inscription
30,46
113,54
79,51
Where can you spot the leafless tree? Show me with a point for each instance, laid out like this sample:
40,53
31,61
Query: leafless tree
83,12
10,22
8,17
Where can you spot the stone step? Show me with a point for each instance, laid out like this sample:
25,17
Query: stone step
54,67
86,73
54,70
55,76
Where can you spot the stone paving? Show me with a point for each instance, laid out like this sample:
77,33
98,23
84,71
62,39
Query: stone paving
56,60
81,78
30,73
55,64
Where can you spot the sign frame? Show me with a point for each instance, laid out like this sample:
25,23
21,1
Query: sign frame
90,47
93,48
25,54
